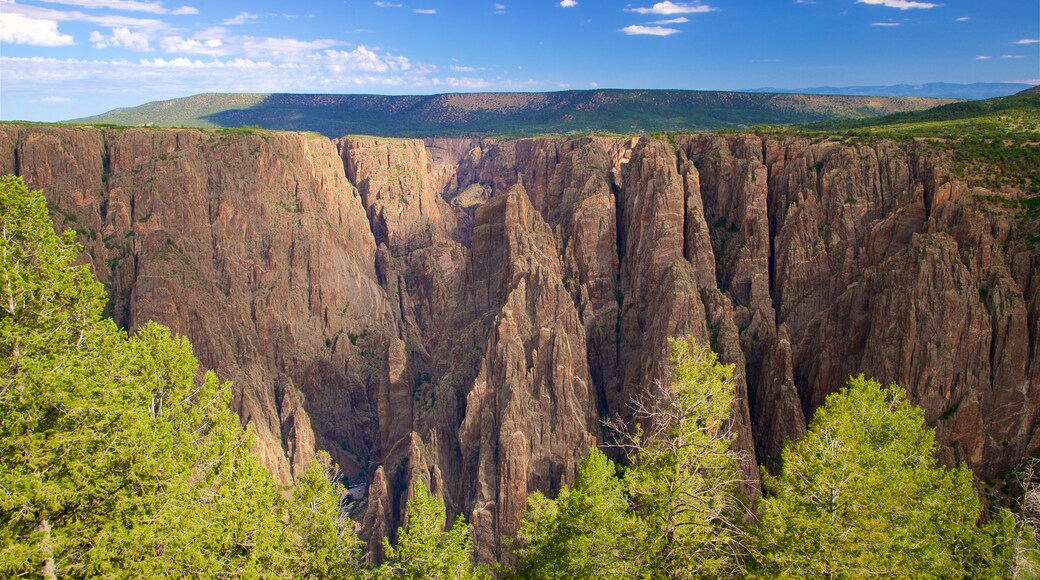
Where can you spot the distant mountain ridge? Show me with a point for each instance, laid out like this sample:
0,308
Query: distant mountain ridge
926,90
507,114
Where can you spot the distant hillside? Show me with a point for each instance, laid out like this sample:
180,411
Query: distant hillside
1018,113
506,114
996,142
186,112
926,90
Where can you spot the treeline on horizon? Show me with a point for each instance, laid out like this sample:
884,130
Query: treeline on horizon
116,459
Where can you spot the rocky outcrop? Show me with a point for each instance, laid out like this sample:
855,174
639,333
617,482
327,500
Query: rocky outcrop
466,312
254,246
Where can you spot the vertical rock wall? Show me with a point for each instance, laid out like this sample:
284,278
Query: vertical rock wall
467,312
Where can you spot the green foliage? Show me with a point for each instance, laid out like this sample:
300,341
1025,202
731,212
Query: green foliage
586,532
684,478
425,550
677,511
327,543
115,459
992,143
47,389
863,495
198,503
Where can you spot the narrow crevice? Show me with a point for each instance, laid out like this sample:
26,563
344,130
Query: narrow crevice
400,306
772,218
882,177
619,230
344,155
17,157
680,163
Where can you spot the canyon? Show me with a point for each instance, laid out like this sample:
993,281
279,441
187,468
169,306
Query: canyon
468,311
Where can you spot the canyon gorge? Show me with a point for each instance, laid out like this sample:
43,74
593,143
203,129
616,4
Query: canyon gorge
468,311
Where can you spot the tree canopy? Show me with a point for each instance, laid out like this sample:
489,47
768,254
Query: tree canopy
677,510
425,550
862,494
587,531
115,458
684,477
112,455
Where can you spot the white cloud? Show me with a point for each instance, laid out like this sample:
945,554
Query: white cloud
53,100
241,18
461,68
900,4
650,30
500,8
388,5
1028,41
126,5
884,23
594,85
983,57
1012,56
179,45
107,21
283,48
365,60
150,79
679,20
19,29
963,19
121,38
568,3
424,10
668,8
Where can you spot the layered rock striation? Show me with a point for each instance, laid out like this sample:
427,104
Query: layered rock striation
467,312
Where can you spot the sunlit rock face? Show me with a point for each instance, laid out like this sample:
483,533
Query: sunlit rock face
468,312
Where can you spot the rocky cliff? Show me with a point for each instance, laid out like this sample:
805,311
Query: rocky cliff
467,311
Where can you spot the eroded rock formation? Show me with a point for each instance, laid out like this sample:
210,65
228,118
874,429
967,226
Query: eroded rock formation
467,311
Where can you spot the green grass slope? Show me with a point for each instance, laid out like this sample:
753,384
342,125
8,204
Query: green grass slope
187,112
993,143
996,142
506,114
1018,113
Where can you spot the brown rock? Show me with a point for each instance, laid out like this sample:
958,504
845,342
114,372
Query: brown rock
471,312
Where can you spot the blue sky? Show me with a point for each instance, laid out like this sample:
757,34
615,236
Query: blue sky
61,59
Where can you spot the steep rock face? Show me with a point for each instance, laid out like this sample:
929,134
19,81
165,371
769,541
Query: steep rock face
472,310
878,261
256,247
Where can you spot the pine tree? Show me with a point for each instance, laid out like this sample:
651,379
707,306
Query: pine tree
425,550
327,542
114,458
586,532
684,478
862,494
